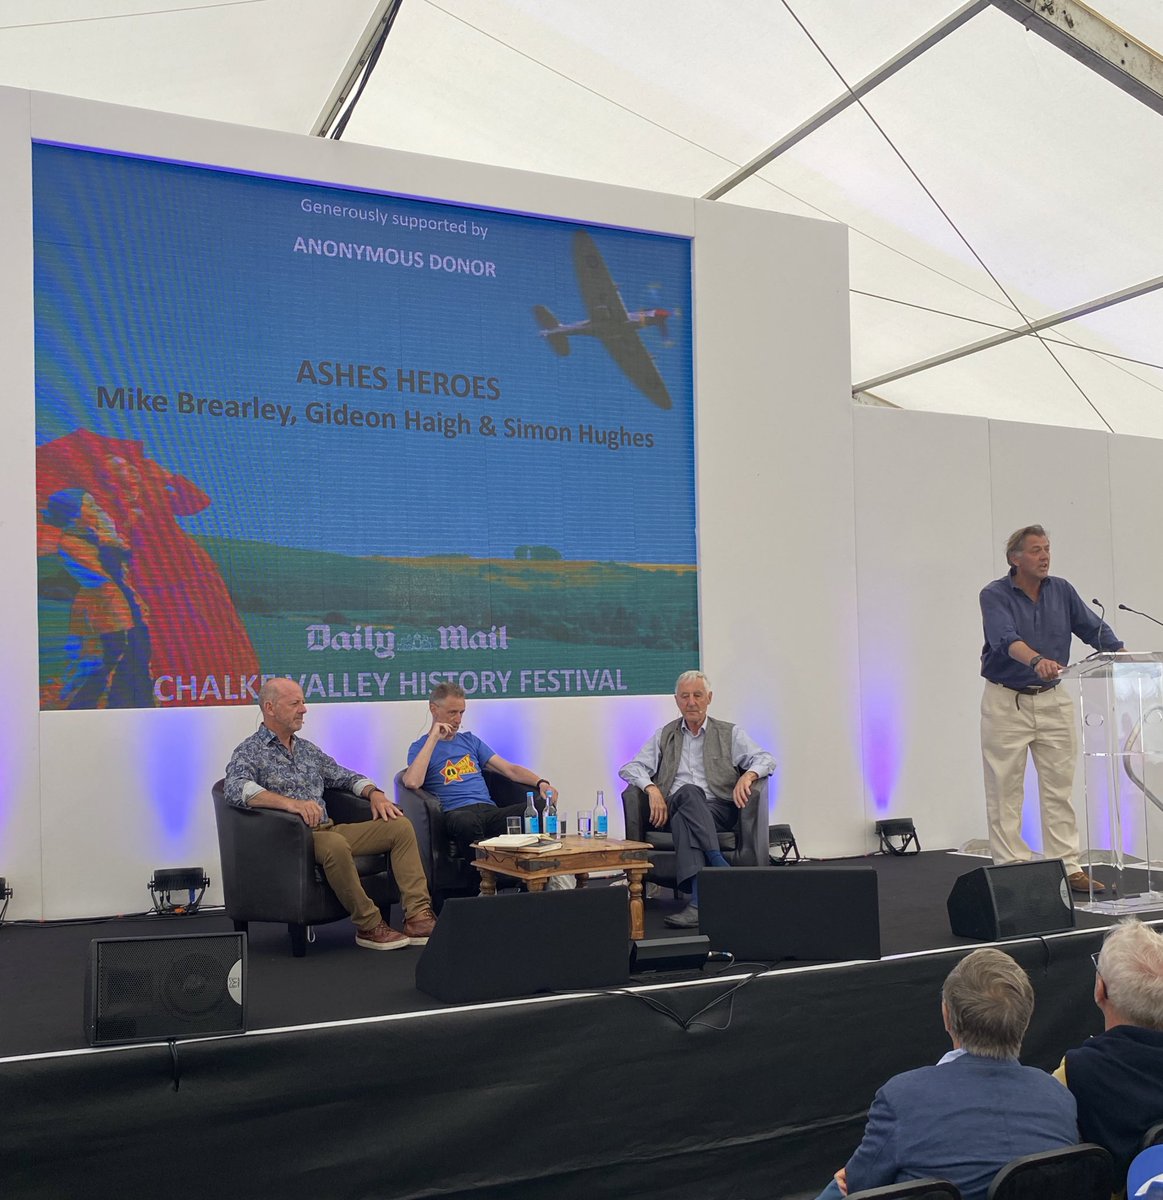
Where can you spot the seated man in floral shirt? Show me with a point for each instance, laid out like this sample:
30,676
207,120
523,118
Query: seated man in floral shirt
274,768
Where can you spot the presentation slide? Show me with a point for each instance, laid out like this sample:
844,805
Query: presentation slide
366,441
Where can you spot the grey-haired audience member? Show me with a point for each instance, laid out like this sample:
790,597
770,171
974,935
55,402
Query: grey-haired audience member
1117,1077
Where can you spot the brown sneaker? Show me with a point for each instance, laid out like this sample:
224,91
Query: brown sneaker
418,929
382,937
1080,881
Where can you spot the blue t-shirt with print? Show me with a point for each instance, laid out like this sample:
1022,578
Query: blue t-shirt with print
454,771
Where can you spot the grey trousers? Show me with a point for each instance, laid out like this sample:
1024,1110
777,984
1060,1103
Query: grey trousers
696,821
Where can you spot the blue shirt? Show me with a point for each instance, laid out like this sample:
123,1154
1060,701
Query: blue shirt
454,770
1008,615
262,763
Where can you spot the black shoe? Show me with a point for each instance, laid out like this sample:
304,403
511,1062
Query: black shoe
688,918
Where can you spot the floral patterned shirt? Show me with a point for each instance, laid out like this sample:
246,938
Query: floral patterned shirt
262,763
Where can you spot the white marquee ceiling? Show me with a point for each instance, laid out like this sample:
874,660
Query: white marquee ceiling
1047,169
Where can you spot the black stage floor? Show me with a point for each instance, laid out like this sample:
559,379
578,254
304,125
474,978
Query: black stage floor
44,964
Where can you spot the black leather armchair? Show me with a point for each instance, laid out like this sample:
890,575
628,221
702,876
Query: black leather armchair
269,871
449,874
744,846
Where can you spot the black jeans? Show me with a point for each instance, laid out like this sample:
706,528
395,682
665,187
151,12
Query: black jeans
475,821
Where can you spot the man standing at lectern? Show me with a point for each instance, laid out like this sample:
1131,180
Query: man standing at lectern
697,774
1029,616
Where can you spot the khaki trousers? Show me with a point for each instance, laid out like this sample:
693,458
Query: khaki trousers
1043,725
335,848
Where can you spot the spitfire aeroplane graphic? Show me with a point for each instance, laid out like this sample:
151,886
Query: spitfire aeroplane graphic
609,322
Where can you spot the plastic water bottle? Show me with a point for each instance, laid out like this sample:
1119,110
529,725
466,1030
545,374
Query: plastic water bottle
601,817
551,813
532,825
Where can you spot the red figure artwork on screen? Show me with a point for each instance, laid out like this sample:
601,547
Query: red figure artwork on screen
149,601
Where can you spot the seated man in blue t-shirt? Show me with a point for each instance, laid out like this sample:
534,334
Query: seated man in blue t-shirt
448,762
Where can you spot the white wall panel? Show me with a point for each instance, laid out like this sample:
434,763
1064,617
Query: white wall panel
923,537
1136,468
776,540
160,135
1136,474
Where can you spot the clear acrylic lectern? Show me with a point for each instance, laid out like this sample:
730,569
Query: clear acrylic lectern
1121,714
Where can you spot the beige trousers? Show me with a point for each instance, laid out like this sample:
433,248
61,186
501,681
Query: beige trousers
1043,725
335,849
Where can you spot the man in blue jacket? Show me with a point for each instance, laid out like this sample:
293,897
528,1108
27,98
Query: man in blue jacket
978,1108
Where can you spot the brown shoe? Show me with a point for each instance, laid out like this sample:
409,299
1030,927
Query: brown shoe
382,937
1080,881
418,929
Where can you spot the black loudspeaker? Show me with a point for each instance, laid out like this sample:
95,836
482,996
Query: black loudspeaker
155,989
499,947
1011,901
765,914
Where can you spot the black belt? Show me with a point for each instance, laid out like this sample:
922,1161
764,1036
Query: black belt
1031,691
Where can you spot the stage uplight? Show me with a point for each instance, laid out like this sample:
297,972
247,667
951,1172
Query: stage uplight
781,839
896,836
167,885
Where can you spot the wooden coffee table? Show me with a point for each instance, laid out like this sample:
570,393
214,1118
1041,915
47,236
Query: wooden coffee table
578,856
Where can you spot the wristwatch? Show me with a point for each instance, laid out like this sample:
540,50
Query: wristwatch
1036,660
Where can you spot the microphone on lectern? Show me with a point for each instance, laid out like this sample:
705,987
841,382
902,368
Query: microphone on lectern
1127,608
1101,607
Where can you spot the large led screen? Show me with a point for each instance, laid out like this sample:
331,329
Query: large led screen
365,441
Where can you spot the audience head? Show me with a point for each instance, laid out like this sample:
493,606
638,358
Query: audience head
988,1001
1129,987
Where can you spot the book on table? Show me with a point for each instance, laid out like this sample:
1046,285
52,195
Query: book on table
532,842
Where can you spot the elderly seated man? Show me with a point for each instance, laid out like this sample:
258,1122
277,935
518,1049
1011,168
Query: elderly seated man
697,773
977,1109
1117,1077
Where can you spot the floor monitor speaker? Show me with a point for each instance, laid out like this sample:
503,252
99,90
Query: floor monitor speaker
155,989
765,914
1017,900
500,947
